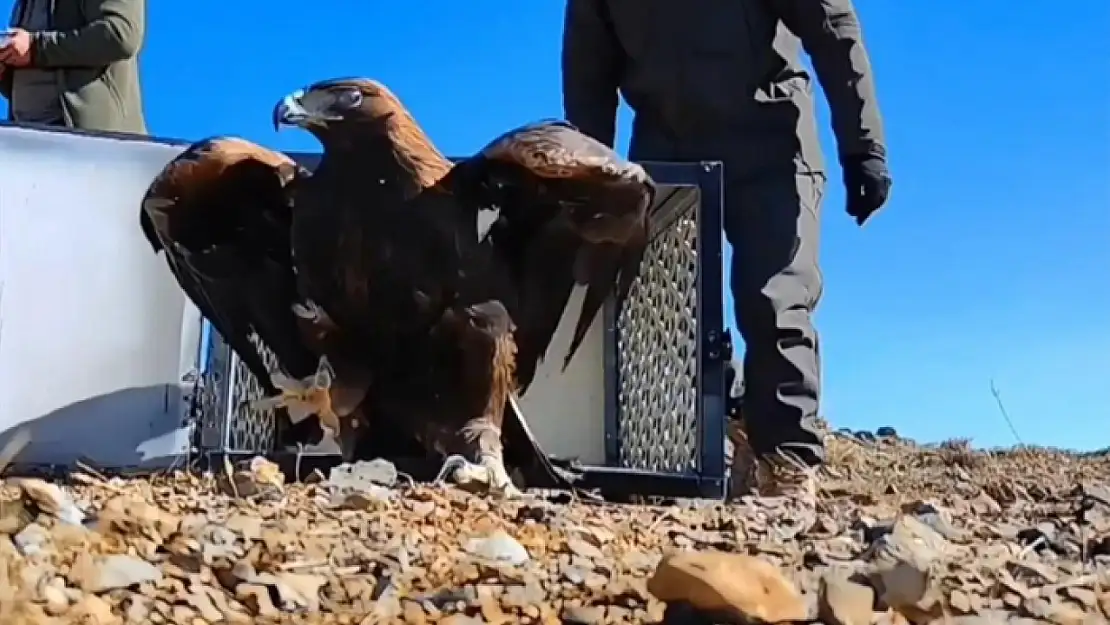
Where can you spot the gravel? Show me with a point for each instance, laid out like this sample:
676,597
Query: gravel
903,533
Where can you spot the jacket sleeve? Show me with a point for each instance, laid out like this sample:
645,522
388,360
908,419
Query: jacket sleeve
830,33
591,64
114,32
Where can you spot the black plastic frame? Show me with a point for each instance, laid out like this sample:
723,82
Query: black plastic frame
709,479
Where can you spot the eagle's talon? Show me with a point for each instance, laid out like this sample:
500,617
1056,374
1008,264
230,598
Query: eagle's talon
289,392
450,467
303,398
313,312
285,384
486,477
281,400
499,483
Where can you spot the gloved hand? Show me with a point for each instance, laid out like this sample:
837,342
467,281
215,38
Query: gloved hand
867,183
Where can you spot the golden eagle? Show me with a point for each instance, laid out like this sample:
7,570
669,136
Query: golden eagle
448,281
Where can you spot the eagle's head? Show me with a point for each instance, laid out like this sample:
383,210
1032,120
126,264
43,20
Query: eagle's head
336,103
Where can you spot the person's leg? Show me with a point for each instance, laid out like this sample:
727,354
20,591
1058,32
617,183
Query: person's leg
772,223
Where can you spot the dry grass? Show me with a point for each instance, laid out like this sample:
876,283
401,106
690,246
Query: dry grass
890,466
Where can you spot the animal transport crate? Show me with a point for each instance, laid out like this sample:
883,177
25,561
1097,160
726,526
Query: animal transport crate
641,407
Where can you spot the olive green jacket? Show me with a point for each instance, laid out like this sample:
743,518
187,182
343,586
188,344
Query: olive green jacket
94,44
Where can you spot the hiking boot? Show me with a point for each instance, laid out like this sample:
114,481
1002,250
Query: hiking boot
740,459
780,474
783,474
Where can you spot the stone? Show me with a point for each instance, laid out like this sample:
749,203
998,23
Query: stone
108,572
736,585
843,602
497,547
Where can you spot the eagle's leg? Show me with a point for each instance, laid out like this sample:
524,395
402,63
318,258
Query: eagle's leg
482,434
485,437
313,312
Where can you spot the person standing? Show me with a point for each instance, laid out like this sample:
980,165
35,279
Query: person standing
722,80
74,63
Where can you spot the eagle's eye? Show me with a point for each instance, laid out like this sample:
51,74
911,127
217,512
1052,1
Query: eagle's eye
349,99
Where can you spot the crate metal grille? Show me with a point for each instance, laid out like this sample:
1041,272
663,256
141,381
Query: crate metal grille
251,429
229,387
657,355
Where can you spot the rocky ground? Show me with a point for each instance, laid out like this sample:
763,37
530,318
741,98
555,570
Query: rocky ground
904,534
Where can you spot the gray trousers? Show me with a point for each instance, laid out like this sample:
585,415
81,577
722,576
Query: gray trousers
772,222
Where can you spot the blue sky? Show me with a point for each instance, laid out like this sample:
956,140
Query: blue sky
989,262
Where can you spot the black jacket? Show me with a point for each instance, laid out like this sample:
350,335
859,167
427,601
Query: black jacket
720,79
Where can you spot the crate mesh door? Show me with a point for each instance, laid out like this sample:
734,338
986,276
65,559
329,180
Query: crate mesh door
656,351
228,389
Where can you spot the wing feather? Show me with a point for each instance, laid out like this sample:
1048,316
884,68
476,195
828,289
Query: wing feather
596,237
544,296
611,271
557,149
220,213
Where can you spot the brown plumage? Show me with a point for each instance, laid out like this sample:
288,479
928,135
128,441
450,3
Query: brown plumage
450,315
221,213
571,211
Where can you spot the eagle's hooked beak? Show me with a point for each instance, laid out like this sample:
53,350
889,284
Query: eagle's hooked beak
290,111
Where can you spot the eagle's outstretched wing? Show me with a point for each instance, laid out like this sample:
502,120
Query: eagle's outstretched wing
573,212
219,211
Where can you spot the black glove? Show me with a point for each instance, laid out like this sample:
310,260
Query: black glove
867,182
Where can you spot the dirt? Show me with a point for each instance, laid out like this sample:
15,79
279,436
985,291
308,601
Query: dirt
903,534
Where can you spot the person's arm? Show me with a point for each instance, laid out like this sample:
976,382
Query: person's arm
592,59
830,33
114,32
